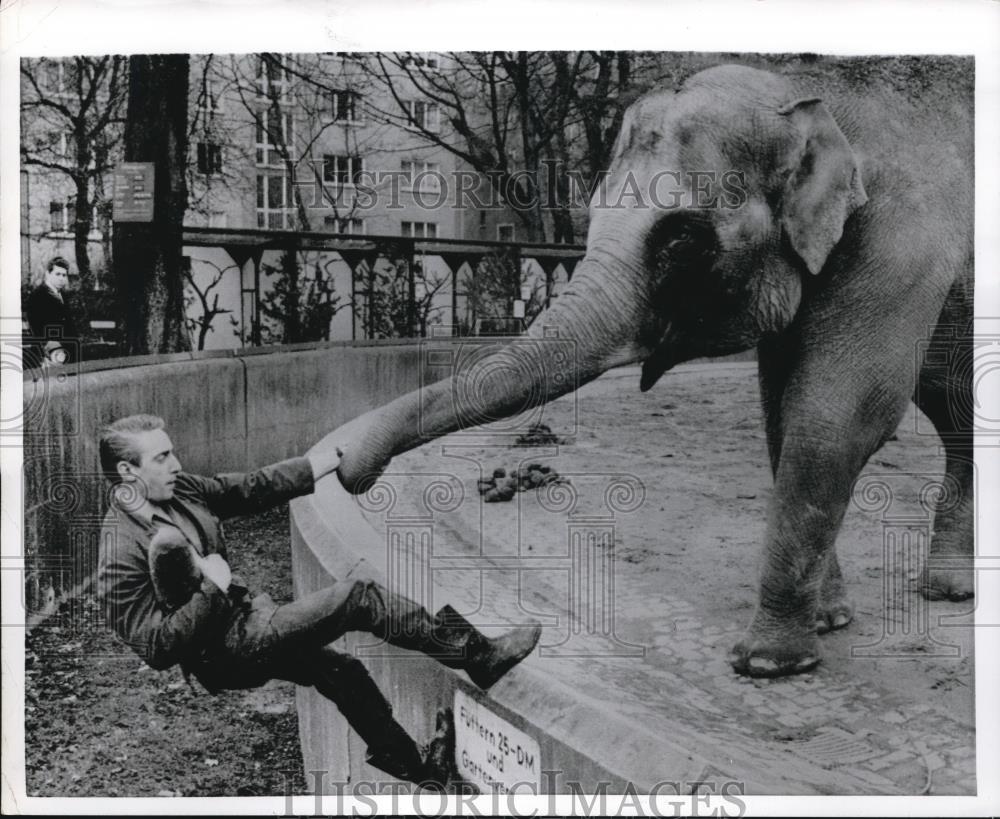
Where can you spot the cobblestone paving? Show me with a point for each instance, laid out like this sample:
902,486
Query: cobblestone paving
653,647
827,717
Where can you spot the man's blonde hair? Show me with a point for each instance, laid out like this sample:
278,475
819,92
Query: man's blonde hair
117,442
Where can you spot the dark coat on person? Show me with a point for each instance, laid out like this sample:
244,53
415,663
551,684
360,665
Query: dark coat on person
51,318
162,637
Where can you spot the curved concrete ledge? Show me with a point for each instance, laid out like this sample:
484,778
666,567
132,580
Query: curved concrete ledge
603,731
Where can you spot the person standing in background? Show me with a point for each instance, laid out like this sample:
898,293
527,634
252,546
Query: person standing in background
51,319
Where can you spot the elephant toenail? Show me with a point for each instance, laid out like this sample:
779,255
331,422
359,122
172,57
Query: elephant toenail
806,663
762,665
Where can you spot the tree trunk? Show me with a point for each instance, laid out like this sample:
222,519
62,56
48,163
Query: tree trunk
81,232
147,257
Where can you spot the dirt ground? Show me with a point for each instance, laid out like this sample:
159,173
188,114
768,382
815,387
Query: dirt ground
98,722
896,685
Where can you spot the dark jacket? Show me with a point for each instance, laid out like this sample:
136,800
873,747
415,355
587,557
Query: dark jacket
50,317
164,638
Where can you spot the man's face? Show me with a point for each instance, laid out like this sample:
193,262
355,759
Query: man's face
158,466
57,278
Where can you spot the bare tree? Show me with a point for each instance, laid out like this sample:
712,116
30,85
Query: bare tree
524,120
301,306
72,117
491,287
399,297
207,300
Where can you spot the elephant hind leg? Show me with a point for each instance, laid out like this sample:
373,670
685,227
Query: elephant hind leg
945,397
835,610
948,573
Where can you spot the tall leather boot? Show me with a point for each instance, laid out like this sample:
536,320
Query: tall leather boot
484,659
398,755
447,636
439,761
345,681
432,769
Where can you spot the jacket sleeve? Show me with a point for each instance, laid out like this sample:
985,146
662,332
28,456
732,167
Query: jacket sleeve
232,494
36,314
162,639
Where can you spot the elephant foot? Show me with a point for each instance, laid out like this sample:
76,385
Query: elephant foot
772,655
833,615
947,584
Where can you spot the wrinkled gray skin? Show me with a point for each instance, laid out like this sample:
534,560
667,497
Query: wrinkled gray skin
854,238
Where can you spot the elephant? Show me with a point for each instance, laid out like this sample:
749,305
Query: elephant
824,218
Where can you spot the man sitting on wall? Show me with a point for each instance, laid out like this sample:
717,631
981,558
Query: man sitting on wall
171,597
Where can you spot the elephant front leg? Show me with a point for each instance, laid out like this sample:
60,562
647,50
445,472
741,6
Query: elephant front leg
801,589
774,356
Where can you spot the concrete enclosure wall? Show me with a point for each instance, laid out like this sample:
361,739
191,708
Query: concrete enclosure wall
224,412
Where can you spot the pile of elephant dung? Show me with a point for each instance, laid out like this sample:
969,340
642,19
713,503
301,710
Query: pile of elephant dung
538,435
501,487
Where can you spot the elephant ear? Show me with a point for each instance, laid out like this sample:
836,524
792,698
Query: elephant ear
824,186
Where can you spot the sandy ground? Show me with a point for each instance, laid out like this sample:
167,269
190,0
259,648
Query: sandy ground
892,703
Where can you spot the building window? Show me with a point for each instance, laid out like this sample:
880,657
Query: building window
209,158
425,115
425,176
55,142
272,77
62,215
342,169
274,202
208,98
420,230
100,222
58,76
505,233
429,61
60,144
345,106
273,134
351,226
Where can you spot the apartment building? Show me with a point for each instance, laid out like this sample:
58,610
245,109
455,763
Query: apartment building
319,143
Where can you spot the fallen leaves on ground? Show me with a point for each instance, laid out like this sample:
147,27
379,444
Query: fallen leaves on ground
98,722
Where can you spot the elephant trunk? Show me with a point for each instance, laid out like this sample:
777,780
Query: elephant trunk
589,329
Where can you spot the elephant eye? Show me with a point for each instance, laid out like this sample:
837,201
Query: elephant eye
678,228
686,238
678,240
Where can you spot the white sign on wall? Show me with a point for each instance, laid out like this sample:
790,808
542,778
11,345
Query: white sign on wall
491,753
